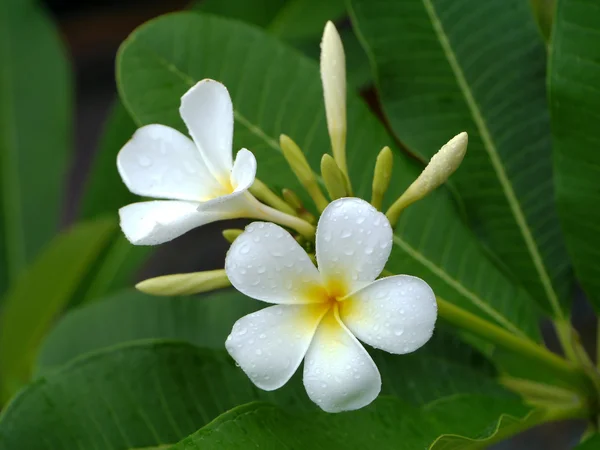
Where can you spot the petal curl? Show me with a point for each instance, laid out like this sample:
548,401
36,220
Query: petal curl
354,242
339,374
244,170
270,344
266,263
207,112
155,222
396,314
160,162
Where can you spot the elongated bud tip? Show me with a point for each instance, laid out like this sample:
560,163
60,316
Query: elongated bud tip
333,178
445,162
184,283
382,176
440,167
231,234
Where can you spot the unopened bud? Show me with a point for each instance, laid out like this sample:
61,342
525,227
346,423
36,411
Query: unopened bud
262,192
440,167
382,176
302,170
185,283
231,234
333,77
333,178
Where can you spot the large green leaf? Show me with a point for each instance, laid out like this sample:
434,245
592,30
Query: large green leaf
276,90
104,194
387,424
155,393
443,67
592,443
35,133
41,292
298,22
574,77
206,321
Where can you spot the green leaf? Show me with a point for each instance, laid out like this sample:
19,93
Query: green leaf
155,393
573,78
300,23
591,443
386,424
39,295
105,193
35,134
206,321
443,67
276,90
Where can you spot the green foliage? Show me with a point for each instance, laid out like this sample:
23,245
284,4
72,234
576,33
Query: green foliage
275,90
575,105
155,393
119,369
35,134
460,70
45,288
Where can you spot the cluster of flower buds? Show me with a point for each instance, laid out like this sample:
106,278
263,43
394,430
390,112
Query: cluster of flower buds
325,300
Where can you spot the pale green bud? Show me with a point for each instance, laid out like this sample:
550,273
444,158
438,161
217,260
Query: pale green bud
302,170
440,167
231,234
185,283
382,176
333,178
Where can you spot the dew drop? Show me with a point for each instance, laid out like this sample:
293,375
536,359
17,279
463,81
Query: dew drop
144,161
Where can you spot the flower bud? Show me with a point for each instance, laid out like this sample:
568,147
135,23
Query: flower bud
231,234
333,76
382,176
302,170
333,178
185,283
440,167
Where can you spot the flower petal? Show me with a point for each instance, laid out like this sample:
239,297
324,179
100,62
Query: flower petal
266,263
354,241
160,162
207,111
155,222
244,170
269,344
396,314
339,374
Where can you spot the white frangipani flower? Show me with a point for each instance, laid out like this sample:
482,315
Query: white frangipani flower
319,314
197,181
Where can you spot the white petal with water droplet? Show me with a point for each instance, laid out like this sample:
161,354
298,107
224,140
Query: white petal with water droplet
207,111
266,263
160,162
396,314
339,374
155,222
269,344
354,241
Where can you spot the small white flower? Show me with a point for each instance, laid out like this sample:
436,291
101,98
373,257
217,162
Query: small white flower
319,314
197,180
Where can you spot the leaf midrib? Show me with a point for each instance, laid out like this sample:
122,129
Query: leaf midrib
497,164
14,240
257,131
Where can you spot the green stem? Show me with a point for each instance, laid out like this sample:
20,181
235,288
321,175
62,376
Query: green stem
575,410
264,212
564,332
509,341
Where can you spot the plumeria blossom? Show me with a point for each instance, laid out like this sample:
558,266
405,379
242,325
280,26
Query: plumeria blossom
320,314
195,180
